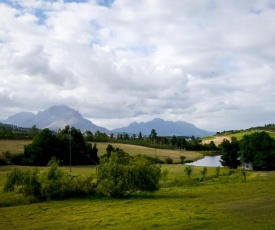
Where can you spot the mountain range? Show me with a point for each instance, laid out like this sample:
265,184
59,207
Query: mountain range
57,117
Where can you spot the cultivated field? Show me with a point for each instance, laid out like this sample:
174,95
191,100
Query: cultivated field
159,153
17,146
14,146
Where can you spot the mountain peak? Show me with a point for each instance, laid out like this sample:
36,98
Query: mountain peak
164,128
55,117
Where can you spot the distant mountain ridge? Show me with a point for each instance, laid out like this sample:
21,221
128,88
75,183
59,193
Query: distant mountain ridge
164,128
57,117
54,118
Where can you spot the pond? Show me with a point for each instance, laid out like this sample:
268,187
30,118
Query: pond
208,161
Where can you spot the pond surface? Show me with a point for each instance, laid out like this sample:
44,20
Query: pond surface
208,161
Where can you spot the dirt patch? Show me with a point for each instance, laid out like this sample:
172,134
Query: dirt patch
217,140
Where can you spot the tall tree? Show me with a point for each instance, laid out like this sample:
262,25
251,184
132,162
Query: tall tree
153,135
230,156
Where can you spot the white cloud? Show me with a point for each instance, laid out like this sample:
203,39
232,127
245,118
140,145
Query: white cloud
206,62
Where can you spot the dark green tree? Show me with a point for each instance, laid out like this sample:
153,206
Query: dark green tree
153,135
140,136
173,141
230,156
45,145
259,149
68,142
109,149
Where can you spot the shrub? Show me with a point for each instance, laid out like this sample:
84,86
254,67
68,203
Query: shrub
182,158
14,179
54,182
82,186
188,171
121,175
50,184
203,172
168,160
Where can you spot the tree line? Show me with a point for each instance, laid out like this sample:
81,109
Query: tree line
153,141
67,145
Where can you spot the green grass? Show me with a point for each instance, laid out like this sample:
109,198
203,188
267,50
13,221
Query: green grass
221,203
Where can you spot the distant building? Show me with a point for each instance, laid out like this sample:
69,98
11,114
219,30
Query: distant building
247,166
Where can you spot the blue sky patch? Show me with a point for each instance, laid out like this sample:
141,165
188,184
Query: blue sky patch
106,3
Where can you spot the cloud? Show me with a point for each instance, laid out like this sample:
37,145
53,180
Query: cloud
210,63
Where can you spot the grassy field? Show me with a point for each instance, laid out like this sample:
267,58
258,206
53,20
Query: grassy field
221,203
17,146
14,146
226,202
240,135
218,139
159,153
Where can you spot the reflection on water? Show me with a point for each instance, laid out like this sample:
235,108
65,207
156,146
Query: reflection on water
209,161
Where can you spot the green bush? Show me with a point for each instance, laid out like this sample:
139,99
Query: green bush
82,186
188,171
50,184
120,174
168,160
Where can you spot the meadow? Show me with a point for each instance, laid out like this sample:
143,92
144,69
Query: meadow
13,146
224,202
218,139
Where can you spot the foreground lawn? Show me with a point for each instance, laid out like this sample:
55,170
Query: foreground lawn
220,203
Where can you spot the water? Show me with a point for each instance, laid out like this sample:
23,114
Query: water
208,161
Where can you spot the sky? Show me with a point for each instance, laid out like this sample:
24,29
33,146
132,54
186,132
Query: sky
207,62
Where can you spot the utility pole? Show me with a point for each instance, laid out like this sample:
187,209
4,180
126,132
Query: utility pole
70,138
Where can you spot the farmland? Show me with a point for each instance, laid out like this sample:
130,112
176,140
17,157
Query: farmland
17,146
218,202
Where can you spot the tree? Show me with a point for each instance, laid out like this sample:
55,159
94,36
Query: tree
120,174
259,149
88,136
47,144
203,172
173,141
153,135
188,171
230,156
182,158
140,136
109,149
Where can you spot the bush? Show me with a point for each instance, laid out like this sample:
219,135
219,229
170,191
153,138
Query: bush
121,175
82,186
168,160
188,171
50,184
